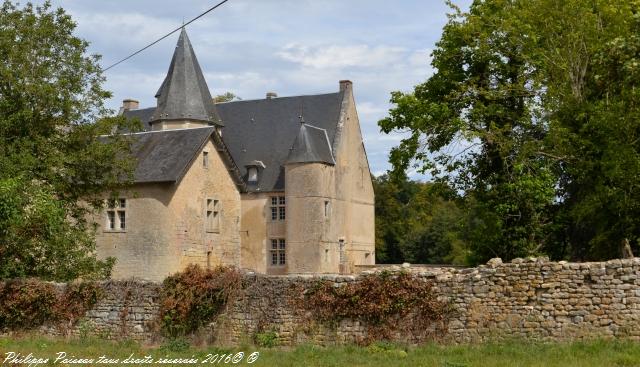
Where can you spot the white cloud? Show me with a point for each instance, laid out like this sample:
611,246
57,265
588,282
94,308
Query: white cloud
333,56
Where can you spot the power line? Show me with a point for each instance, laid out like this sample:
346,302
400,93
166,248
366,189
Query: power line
167,35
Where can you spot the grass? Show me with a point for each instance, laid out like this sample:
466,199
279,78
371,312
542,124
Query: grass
509,353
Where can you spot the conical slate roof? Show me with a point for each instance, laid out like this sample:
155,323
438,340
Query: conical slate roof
311,146
184,94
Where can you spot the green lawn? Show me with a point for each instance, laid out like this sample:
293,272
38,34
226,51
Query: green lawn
509,354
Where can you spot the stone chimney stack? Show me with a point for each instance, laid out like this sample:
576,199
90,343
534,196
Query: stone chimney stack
345,84
130,104
272,95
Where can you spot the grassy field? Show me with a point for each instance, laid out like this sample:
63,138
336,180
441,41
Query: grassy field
512,354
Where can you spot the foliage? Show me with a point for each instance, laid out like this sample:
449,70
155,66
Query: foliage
194,297
53,168
532,116
267,339
418,223
25,304
226,97
380,300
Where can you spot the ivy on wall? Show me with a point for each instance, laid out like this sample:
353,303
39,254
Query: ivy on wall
29,303
384,302
195,296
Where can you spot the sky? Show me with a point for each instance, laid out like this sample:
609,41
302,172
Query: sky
291,47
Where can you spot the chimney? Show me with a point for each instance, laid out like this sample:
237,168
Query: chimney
130,104
272,95
344,85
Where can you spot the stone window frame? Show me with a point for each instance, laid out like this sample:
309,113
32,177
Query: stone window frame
212,214
277,254
205,159
116,215
278,208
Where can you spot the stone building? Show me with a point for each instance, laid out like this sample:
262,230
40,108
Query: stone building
277,185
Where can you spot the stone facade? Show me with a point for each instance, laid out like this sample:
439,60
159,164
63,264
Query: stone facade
530,298
325,205
166,227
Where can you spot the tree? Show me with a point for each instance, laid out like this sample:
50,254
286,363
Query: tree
531,115
54,170
226,97
474,126
417,222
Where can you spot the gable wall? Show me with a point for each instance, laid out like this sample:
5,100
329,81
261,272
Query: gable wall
166,224
188,208
354,197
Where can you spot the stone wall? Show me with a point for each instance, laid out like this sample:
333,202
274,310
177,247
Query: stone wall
530,298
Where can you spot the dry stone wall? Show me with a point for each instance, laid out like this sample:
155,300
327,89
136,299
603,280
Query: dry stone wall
529,298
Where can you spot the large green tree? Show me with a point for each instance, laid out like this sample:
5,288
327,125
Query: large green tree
417,222
54,169
531,115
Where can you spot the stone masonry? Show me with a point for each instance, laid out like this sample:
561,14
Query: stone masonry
527,298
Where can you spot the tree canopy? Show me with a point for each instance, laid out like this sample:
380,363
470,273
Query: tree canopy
531,116
54,169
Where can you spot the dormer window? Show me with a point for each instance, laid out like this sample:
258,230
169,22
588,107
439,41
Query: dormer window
253,171
253,174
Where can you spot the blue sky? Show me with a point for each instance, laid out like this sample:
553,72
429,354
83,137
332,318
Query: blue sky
292,47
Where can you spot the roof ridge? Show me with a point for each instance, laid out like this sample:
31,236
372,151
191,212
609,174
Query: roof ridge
165,131
278,98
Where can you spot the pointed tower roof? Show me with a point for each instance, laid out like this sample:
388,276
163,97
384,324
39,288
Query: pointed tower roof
184,94
311,146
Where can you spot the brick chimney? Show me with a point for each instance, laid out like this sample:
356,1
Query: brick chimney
345,84
130,104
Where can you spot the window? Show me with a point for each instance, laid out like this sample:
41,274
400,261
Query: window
205,159
111,219
213,215
117,215
253,174
278,208
343,258
327,208
278,252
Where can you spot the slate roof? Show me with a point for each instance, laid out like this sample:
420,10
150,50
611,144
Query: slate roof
311,146
184,93
266,130
165,156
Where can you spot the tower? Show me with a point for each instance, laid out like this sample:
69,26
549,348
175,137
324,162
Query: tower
183,99
309,177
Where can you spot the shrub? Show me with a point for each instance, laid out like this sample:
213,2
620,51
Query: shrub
25,304
380,300
194,297
268,339
29,303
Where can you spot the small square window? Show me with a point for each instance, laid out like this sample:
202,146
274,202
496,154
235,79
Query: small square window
123,203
